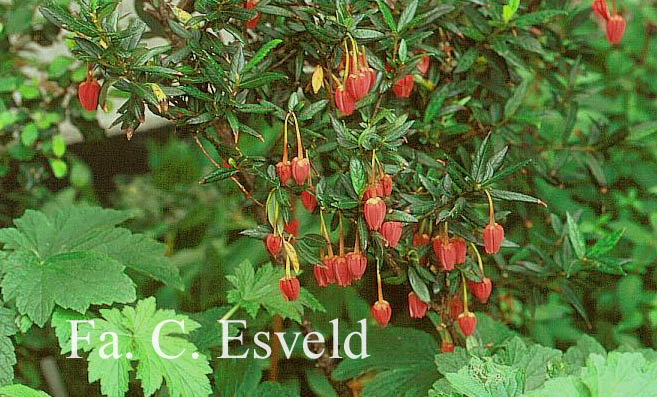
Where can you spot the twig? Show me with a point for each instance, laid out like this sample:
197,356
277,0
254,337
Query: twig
232,178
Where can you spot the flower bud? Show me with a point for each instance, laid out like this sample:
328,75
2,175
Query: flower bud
615,29
321,276
493,237
600,9
481,290
284,171
357,263
292,227
381,311
308,200
300,170
88,92
402,88
446,346
416,307
375,212
253,22
467,323
290,288
391,232
344,101
274,244
341,271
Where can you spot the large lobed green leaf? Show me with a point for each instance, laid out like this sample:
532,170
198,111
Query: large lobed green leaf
75,257
185,376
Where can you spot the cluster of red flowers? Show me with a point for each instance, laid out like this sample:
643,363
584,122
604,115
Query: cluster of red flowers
614,24
358,79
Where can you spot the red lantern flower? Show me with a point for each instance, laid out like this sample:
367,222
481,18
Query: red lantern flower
88,93
358,84
467,322
481,290
321,276
292,227
357,264
445,250
386,185
341,271
600,9
391,232
615,29
284,171
460,248
493,237
455,307
308,200
253,22
344,101
403,87
493,233
416,307
290,288
381,311
365,67
375,212
446,346
420,240
300,170
423,66
274,244
329,262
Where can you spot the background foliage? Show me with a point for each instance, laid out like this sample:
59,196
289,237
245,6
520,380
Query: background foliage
574,306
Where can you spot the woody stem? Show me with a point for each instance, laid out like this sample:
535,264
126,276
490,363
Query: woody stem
491,210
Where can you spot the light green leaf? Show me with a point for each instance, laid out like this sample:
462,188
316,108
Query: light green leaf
58,145
357,174
184,376
261,54
72,280
21,391
575,237
254,290
387,15
7,361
